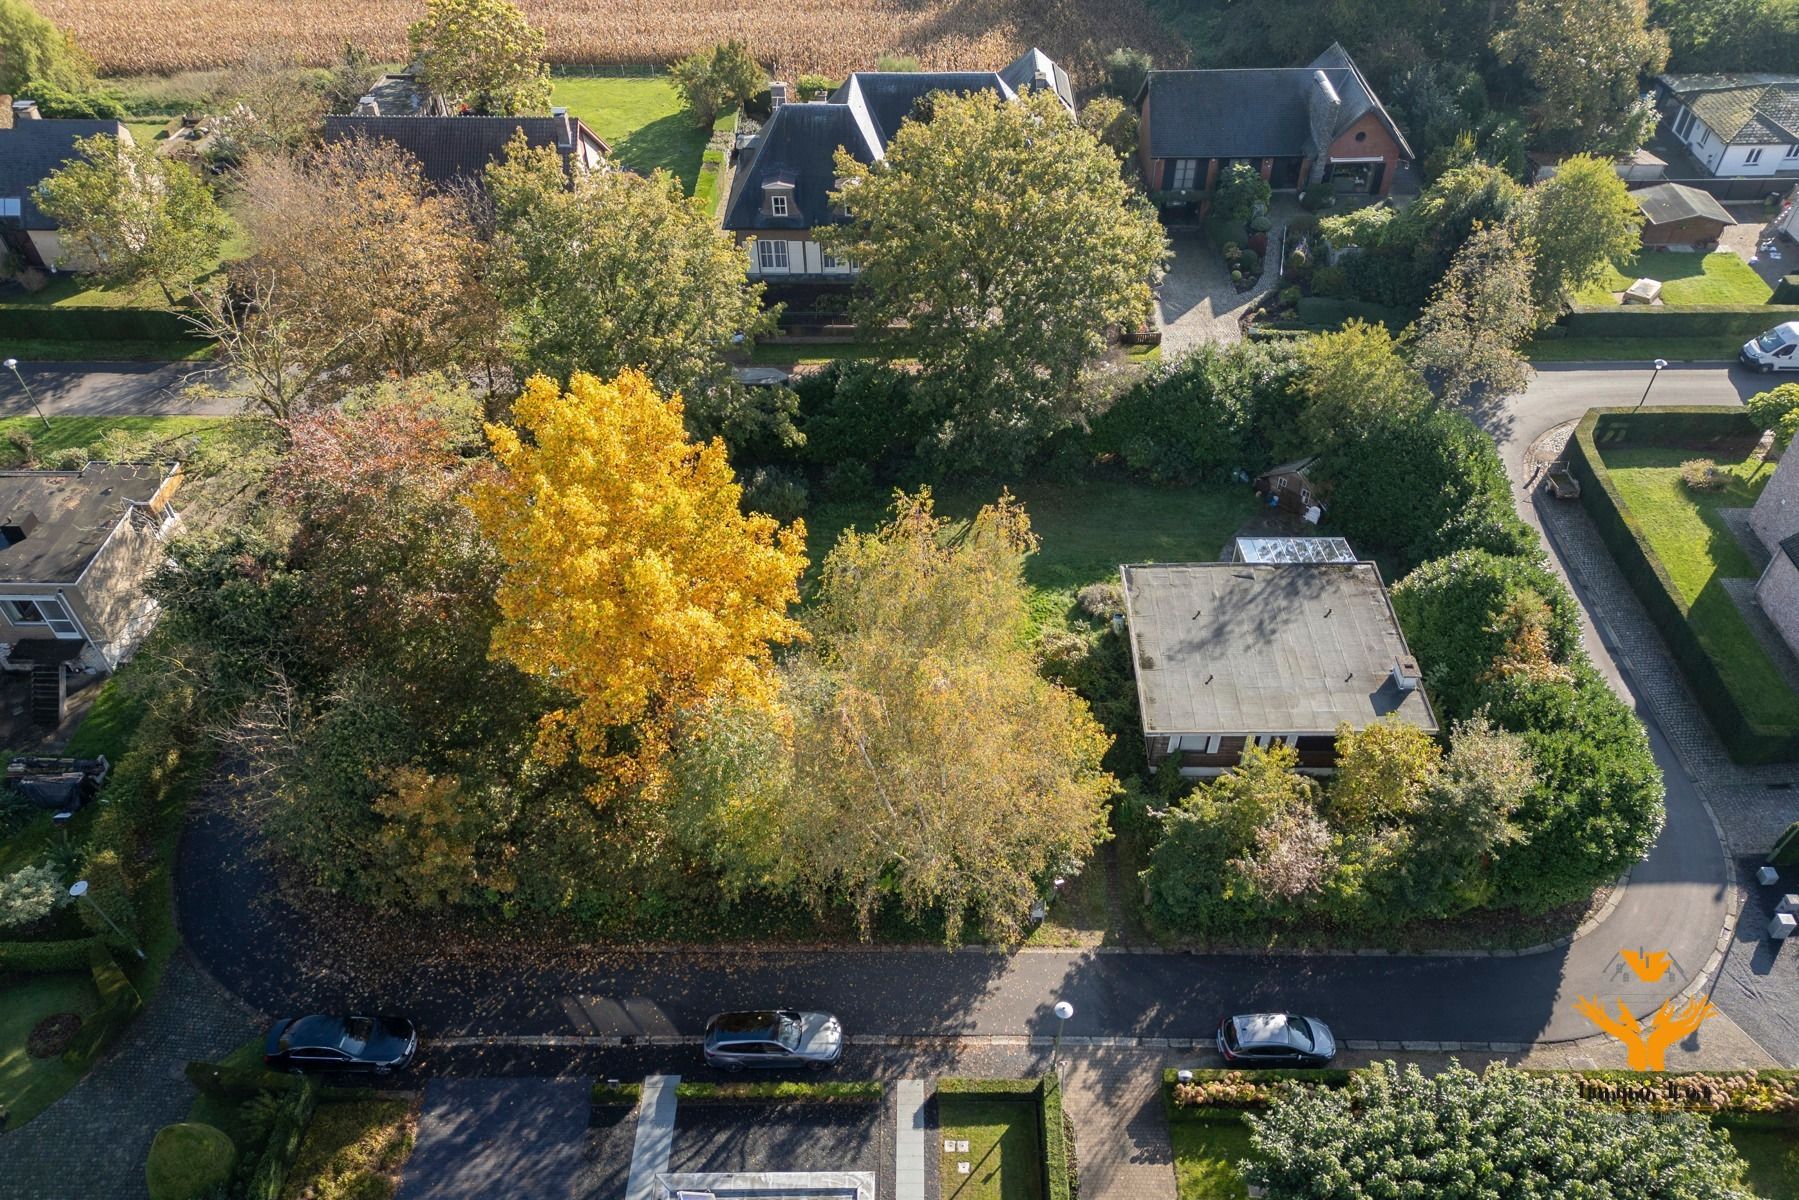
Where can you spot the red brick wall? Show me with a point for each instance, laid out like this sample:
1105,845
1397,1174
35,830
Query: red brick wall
1377,142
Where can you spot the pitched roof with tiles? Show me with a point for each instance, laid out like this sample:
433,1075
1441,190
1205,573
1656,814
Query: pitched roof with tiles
1668,202
65,517
1743,110
458,148
1257,112
32,149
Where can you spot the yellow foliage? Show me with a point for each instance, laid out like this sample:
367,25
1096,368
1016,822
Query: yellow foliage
633,582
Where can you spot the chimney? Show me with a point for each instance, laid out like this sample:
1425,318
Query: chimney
777,94
1405,674
565,133
368,106
25,110
17,531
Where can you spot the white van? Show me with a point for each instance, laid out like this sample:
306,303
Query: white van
1775,350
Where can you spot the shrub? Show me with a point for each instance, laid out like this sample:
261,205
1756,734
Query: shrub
1703,475
716,79
1786,848
1102,600
1236,276
1260,224
29,895
58,103
239,1083
189,1161
815,85
1786,291
42,958
1290,296
1740,1092
894,61
1315,197
1330,283
119,1002
1125,71
19,449
1299,266
780,494
1232,1090
862,412
1251,263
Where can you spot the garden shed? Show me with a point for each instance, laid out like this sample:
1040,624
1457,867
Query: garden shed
1677,215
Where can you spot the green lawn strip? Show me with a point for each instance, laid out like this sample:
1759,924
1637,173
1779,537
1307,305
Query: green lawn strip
809,354
1770,1146
146,133
1207,1149
354,1150
640,117
82,291
1720,278
87,432
1686,532
1644,350
28,1085
1004,1153
102,350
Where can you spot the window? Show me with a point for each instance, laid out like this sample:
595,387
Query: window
1753,157
1184,171
777,206
771,256
830,261
1683,123
10,206
1793,150
41,610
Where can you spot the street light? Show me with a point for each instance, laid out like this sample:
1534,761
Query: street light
1063,1011
1660,364
78,890
12,364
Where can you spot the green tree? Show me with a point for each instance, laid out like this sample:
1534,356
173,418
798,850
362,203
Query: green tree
32,50
135,215
1354,379
1240,193
1006,291
714,80
1457,203
619,271
1383,772
1468,337
482,53
1113,124
1777,409
1585,60
1464,818
1500,1133
1126,71
1579,221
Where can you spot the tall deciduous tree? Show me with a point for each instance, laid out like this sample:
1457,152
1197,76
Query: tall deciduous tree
1354,378
616,272
1584,58
632,582
134,215
32,50
351,239
1004,239
716,79
1501,1133
1469,335
1464,816
1578,221
1383,771
482,53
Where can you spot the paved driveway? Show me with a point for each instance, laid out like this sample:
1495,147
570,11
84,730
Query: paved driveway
525,1139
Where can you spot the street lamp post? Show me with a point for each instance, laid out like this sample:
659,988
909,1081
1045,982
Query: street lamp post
78,890
1063,1011
12,364
1661,365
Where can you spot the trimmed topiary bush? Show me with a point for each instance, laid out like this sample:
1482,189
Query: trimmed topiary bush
188,1161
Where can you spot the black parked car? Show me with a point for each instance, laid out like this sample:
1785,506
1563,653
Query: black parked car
785,1038
1275,1040
380,1045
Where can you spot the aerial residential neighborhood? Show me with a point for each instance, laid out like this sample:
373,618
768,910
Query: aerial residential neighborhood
1142,600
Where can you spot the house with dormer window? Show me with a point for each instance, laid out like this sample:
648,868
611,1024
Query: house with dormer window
785,176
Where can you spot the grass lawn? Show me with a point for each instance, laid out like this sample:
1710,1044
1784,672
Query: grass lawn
1004,1155
67,432
1643,350
1685,531
1771,1152
146,133
47,350
640,117
28,1085
1720,278
353,1151
1206,1153
81,291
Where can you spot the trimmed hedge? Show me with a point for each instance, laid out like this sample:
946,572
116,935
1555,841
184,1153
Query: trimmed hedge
285,1138
1746,741
238,1083
1786,849
1689,320
1054,1131
1786,291
857,1092
188,1161
119,1002
41,958
1334,314
95,324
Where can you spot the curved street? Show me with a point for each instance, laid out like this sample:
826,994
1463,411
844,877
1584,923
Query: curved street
1680,900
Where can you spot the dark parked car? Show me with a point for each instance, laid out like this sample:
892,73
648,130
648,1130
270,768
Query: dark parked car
381,1045
1275,1040
784,1038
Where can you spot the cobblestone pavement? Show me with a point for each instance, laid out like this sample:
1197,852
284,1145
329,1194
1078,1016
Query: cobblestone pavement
1197,301
90,1145
1114,1099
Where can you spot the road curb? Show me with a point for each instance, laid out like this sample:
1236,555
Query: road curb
954,1041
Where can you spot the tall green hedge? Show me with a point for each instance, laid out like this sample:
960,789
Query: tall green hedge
1332,314
40,958
119,1002
1687,320
1054,1131
1786,291
1745,739
285,1138
93,324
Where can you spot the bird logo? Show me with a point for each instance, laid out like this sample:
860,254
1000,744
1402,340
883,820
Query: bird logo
1650,966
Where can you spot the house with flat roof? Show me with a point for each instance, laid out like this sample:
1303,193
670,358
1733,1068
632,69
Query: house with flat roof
75,550
1735,124
1226,654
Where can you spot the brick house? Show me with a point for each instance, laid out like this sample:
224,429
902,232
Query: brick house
1298,126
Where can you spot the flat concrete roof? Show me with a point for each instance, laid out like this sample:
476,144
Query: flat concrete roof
1246,648
67,516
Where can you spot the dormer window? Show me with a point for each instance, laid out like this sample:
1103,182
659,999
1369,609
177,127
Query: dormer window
777,206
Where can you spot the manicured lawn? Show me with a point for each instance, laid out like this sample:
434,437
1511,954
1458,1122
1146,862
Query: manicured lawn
353,1151
1643,350
1720,278
1004,1154
67,432
1684,529
146,133
45,350
81,291
28,1085
640,117
1771,1152
1086,530
1206,1153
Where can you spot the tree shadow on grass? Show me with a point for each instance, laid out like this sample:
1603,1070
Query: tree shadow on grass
672,143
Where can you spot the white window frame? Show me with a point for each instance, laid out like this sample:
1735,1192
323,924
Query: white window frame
1792,151
777,205
65,627
827,261
1683,124
1189,167
767,256
1754,156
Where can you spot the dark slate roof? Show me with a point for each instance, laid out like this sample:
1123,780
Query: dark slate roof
1744,110
1668,202
1791,546
458,148
30,150
75,512
1258,111
799,143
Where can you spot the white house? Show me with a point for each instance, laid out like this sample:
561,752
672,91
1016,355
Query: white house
1735,124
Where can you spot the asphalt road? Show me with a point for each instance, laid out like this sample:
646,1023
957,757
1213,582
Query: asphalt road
109,389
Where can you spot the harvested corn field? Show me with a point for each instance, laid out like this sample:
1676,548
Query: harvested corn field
791,36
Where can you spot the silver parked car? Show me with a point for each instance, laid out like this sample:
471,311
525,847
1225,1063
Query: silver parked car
773,1038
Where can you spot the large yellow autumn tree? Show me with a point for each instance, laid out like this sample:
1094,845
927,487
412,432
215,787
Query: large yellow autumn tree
633,582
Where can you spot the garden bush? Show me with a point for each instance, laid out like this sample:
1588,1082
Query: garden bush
285,1138
119,1002
189,1162
29,895
1738,1092
1786,291
1786,848
1330,283
42,958
1703,475
865,413
240,1083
